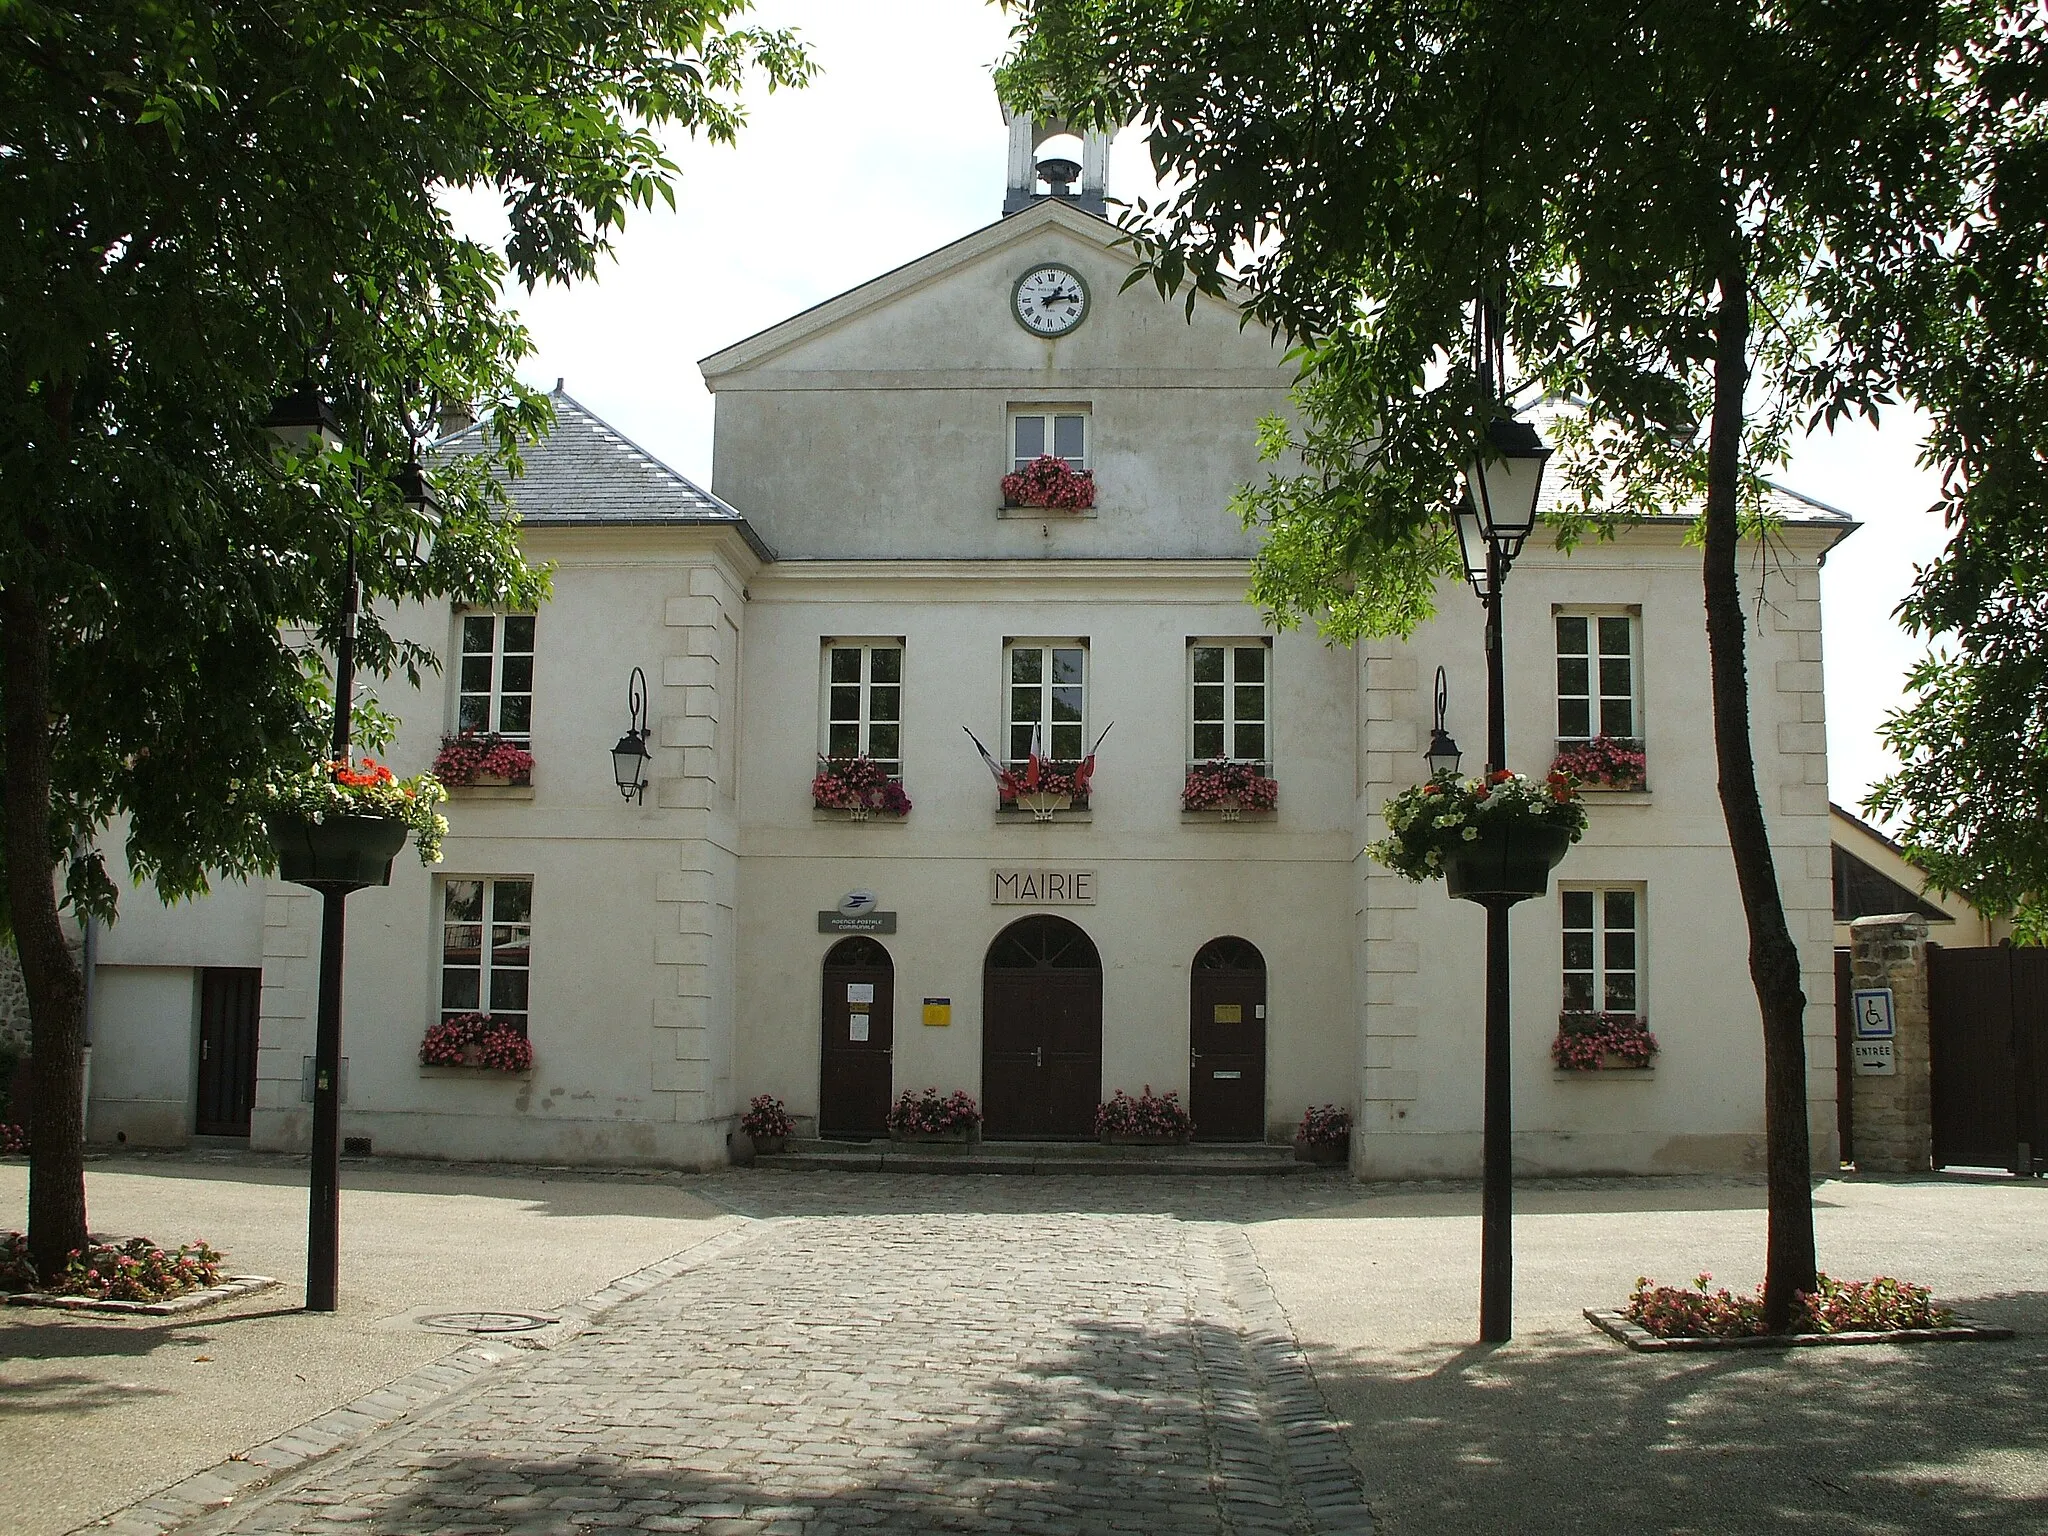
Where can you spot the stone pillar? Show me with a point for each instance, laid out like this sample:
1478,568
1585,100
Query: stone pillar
1894,1116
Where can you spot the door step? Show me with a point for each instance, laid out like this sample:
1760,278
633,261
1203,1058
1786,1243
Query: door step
1033,1157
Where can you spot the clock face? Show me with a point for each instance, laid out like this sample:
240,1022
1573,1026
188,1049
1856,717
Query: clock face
1050,300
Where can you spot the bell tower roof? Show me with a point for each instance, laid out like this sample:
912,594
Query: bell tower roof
1083,185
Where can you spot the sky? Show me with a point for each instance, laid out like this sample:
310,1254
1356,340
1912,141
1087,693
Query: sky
898,147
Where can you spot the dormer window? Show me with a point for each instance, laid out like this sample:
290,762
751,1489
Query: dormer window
1062,433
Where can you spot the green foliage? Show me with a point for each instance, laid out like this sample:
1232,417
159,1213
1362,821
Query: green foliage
204,205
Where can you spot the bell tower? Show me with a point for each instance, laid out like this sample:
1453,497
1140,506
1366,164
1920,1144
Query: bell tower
1082,184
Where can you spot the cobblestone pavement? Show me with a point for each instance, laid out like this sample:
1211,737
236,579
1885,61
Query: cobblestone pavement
890,1370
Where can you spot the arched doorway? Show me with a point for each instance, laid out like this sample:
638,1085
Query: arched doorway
1227,1041
1041,1041
859,1040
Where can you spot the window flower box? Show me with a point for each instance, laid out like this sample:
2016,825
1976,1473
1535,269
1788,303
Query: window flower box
487,760
1229,788
1056,787
1602,763
475,1040
1049,481
859,786
1602,1042
1146,1121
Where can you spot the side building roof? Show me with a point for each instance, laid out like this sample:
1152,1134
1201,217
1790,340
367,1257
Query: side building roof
587,473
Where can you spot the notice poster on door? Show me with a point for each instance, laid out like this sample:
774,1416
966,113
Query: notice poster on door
857,1027
860,991
1230,1013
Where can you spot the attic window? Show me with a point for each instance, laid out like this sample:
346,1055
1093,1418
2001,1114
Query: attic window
1063,433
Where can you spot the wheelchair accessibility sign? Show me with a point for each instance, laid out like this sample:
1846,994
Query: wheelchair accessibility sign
1876,1030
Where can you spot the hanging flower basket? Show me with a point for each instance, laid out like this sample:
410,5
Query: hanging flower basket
338,826
1050,481
342,850
1491,839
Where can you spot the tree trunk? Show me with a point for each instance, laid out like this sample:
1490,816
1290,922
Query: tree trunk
56,990
1773,957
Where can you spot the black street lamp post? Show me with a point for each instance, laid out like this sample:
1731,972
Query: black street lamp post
1501,490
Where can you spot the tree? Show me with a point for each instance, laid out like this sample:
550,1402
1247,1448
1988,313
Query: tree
1654,203
204,205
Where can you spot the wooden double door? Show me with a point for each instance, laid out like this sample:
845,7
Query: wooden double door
1227,1042
1041,1050
858,1059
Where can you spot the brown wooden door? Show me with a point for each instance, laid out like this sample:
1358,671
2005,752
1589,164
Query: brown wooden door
2030,1057
857,1070
1041,1044
1970,1009
1227,1042
230,1005
1845,1055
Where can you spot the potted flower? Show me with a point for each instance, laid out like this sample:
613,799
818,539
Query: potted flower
1324,1135
339,826
860,786
1052,787
1489,839
767,1123
1146,1121
476,1040
1230,787
929,1117
1050,481
1602,1042
490,759
1602,762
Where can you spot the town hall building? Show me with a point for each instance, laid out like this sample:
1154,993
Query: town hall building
857,582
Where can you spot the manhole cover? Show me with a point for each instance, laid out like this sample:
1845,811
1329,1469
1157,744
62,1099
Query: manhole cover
485,1322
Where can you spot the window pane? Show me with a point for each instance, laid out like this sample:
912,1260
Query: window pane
1251,663
515,674
1026,704
474,712
884,702
1066,704
519,632
476,674
1067,438
477,632
459,989
1030,437
1251,743
508,990
1573,676
1066,743
1066,665
885,664
845,664
1027,666
845,702
1621,993
1574,718
1208,663
463,901
1617,717
1578,950
1578,911
842,739
1621,950
1621,909
1250,702
1020,742
1614,635
511,901
882,742
462,943
1209,701
515,714
1578,994
1571,635
509,943
1614,677
1209,740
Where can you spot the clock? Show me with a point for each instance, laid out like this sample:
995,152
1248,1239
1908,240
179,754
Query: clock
1050,300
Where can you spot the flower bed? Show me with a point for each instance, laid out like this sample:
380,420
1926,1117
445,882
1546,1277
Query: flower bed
340,788
1221,785
1602,762
929,1114
473,1040
136,1270
1050,481
857,784
468,758
1586,1041
1882,1305
1428,824
766,1117
1146,1118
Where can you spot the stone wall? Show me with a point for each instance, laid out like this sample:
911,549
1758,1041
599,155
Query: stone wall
1894,1120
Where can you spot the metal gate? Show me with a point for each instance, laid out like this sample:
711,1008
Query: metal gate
1988,1033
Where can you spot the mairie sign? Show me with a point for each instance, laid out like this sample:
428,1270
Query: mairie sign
1041,887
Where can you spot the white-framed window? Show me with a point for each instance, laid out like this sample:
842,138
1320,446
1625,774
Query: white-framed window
494,680
863,689
1603,948
1046,691
1061,431
1596,676
1230,701
486,947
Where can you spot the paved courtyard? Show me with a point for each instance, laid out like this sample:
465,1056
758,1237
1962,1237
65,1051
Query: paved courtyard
891,1353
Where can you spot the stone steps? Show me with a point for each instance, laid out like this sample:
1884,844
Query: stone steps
1033,1157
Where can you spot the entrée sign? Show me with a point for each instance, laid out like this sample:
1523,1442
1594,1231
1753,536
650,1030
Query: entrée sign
1042,887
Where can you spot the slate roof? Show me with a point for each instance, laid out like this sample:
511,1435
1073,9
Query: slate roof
587,473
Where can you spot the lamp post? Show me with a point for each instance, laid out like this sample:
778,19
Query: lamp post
1502,486
305,423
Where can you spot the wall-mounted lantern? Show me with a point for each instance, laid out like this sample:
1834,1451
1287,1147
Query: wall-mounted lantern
1443,755
629,757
